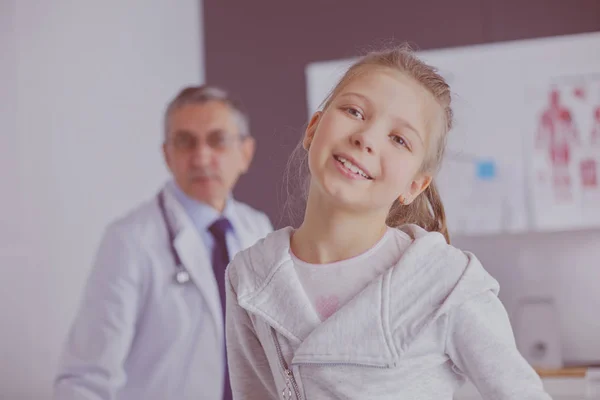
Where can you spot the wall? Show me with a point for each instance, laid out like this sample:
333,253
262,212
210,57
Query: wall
82,89
260,50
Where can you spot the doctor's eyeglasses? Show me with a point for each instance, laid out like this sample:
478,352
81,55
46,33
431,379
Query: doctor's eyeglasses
217,140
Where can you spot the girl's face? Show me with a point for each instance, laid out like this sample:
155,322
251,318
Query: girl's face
366,149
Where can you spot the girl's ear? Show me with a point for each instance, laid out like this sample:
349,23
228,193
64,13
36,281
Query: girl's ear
311,129
417,187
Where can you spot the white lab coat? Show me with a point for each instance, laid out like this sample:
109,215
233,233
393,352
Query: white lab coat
139,335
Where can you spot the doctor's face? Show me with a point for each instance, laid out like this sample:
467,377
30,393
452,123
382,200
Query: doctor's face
205,151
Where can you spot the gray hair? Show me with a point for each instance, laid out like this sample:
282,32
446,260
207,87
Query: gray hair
204,94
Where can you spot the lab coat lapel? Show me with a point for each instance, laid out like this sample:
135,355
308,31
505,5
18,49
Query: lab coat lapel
247,235
195,258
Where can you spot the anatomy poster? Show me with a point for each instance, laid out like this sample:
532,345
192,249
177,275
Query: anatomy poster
565,153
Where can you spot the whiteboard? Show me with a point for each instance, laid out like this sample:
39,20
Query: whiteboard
499,91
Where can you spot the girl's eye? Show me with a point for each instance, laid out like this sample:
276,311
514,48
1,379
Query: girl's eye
355,113
399,140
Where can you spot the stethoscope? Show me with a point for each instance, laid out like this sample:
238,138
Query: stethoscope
181,276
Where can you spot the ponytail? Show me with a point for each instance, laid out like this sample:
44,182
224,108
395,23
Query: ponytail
426,210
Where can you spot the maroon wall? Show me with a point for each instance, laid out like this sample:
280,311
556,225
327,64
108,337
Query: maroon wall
259,49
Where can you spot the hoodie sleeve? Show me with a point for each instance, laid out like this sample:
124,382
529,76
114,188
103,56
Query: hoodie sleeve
249,369
481,344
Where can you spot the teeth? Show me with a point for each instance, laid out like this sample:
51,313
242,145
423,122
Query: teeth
352,167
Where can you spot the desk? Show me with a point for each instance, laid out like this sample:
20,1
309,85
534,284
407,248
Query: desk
564,384
577,372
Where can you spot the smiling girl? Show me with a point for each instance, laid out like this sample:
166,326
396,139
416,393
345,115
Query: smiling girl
367,299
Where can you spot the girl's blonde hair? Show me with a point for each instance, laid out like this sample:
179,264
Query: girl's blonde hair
427,209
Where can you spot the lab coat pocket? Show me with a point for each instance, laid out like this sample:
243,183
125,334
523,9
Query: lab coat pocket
181,312
189,306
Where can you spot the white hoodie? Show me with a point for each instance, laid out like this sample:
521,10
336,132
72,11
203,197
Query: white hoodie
415,332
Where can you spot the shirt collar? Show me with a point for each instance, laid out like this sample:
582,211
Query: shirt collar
201,214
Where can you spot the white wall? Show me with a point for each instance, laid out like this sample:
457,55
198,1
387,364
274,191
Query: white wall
82,89
562,265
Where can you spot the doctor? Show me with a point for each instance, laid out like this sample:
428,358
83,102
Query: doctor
150,325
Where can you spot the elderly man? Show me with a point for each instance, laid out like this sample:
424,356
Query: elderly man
151,322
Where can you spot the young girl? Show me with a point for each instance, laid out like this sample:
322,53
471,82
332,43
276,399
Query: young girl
366,299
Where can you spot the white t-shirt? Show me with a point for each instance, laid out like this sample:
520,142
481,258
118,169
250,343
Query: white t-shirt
330,286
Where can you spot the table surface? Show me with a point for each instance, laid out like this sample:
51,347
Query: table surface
560,388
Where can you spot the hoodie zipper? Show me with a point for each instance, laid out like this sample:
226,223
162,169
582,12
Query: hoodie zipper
290,381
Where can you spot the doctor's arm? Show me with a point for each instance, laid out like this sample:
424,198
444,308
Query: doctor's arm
481,344
99,340
249,369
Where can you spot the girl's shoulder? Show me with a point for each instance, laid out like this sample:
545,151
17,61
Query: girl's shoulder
255,263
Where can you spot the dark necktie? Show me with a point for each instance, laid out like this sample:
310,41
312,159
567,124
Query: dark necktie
220,259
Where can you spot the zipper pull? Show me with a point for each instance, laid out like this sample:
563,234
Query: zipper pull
286,393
